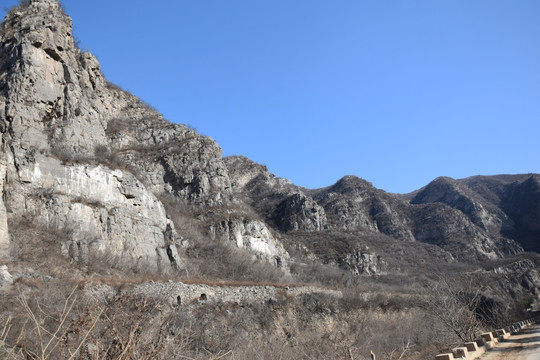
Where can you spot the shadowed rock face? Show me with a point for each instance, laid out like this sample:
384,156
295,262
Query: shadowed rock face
299,212
521,202
504,205
459,196
354,204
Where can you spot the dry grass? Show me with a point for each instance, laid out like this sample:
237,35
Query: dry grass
48,319
71,327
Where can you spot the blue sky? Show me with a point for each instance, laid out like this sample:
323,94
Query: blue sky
395,92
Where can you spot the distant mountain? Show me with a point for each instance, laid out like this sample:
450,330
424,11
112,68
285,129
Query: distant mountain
503,205
446,212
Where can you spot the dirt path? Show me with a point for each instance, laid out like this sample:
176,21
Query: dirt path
524,346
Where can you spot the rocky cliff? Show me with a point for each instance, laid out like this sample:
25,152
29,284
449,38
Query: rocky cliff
82,156
56,107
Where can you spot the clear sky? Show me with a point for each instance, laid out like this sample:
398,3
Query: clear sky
395,92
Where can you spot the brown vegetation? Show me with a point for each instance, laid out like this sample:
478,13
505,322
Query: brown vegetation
395,315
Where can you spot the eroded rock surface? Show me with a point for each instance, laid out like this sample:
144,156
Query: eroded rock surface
82,155
6,278
250,234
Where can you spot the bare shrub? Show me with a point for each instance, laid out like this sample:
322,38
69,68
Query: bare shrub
315,326
454,301
115,87
37,244
321,274
213,260
66,156
112,159
209,259
60,324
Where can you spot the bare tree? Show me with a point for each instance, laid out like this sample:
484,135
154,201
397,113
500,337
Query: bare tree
455,303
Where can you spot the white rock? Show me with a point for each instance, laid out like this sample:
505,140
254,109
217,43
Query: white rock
5,277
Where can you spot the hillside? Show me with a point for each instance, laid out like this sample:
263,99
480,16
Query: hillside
117,213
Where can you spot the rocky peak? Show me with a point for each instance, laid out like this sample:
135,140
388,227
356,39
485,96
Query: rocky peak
53,95
458,195
351,184
442,189
492,188
353,204
44,25
246,175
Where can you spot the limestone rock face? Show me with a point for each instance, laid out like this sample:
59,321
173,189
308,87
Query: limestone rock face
106,212
6,278
45,107
252,235
242,171
363,262
53,96
4,234
56,107
170,158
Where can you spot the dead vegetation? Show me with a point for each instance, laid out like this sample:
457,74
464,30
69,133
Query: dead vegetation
52,311
49,313
58,322
61,324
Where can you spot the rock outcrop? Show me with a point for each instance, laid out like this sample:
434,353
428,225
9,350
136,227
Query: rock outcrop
521,202
252,235
354,204
299,212
105,211
282,204
169,158
503,207
6,278
81,155
55,105
364,262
